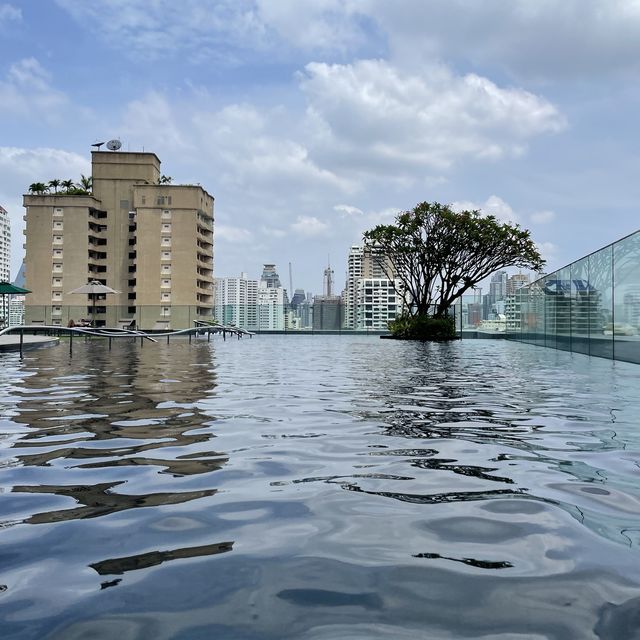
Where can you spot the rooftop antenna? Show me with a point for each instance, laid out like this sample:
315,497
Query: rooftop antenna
97,145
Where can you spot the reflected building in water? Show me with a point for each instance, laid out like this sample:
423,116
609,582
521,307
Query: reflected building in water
115,409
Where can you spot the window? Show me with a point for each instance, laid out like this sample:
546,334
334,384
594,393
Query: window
57,266
166,226
166,241
165,297
57,224
57,253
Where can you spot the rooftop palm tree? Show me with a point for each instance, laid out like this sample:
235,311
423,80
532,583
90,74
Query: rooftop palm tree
68,185
38,188
86,183
55,183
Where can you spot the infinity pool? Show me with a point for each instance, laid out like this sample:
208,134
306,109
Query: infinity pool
318,487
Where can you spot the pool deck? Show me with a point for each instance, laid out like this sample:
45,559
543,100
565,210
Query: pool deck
11,342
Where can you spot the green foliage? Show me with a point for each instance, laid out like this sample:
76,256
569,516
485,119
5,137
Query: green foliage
438,254
423,327
83,188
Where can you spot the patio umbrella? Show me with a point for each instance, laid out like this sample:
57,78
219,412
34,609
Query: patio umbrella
93,289
8,289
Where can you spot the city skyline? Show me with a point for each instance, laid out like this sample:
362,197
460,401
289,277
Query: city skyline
311,122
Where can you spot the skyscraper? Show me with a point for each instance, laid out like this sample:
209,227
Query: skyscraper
270,277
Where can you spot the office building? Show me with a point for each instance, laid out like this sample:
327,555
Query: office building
151,242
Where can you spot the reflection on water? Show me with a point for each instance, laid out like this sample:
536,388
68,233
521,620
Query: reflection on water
143,560
318,487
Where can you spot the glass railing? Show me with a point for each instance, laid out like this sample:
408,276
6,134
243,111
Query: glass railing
591,306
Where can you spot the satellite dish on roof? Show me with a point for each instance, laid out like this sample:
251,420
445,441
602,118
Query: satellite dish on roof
114,145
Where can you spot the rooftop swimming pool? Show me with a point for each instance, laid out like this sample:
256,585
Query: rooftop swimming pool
318,487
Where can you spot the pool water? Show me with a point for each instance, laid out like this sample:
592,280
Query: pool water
318,487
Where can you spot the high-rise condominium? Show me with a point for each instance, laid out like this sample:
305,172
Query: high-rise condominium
370,296
151,242
237,302
5,245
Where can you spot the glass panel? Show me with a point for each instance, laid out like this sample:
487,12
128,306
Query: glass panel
550,284
581,302
562,298
626,310
601,304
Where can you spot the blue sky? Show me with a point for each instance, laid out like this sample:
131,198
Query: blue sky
313,120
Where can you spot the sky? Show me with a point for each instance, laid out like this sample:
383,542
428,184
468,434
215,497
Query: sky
311,121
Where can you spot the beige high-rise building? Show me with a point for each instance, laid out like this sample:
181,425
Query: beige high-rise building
151,242
362,263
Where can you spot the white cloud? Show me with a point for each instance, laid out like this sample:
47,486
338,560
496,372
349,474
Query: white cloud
493,206
200,29
234,235
9,13
543,217
27,92
548,250
376,118
327,25
348,210
309,226
544,39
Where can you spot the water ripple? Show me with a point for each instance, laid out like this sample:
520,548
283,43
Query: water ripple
318,487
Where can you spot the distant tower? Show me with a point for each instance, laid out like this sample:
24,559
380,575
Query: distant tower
328,282
270,276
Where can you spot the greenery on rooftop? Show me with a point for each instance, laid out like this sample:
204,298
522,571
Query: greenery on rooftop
437,254
63,187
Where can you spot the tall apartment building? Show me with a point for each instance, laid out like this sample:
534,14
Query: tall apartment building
236,302
377,303
151,242
271,307
364,265
5,245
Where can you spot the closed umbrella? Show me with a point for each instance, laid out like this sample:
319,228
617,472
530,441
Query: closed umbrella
93,289
8,289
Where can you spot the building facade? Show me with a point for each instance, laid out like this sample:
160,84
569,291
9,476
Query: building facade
363,263
377,303
5,245
236,302
151,242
